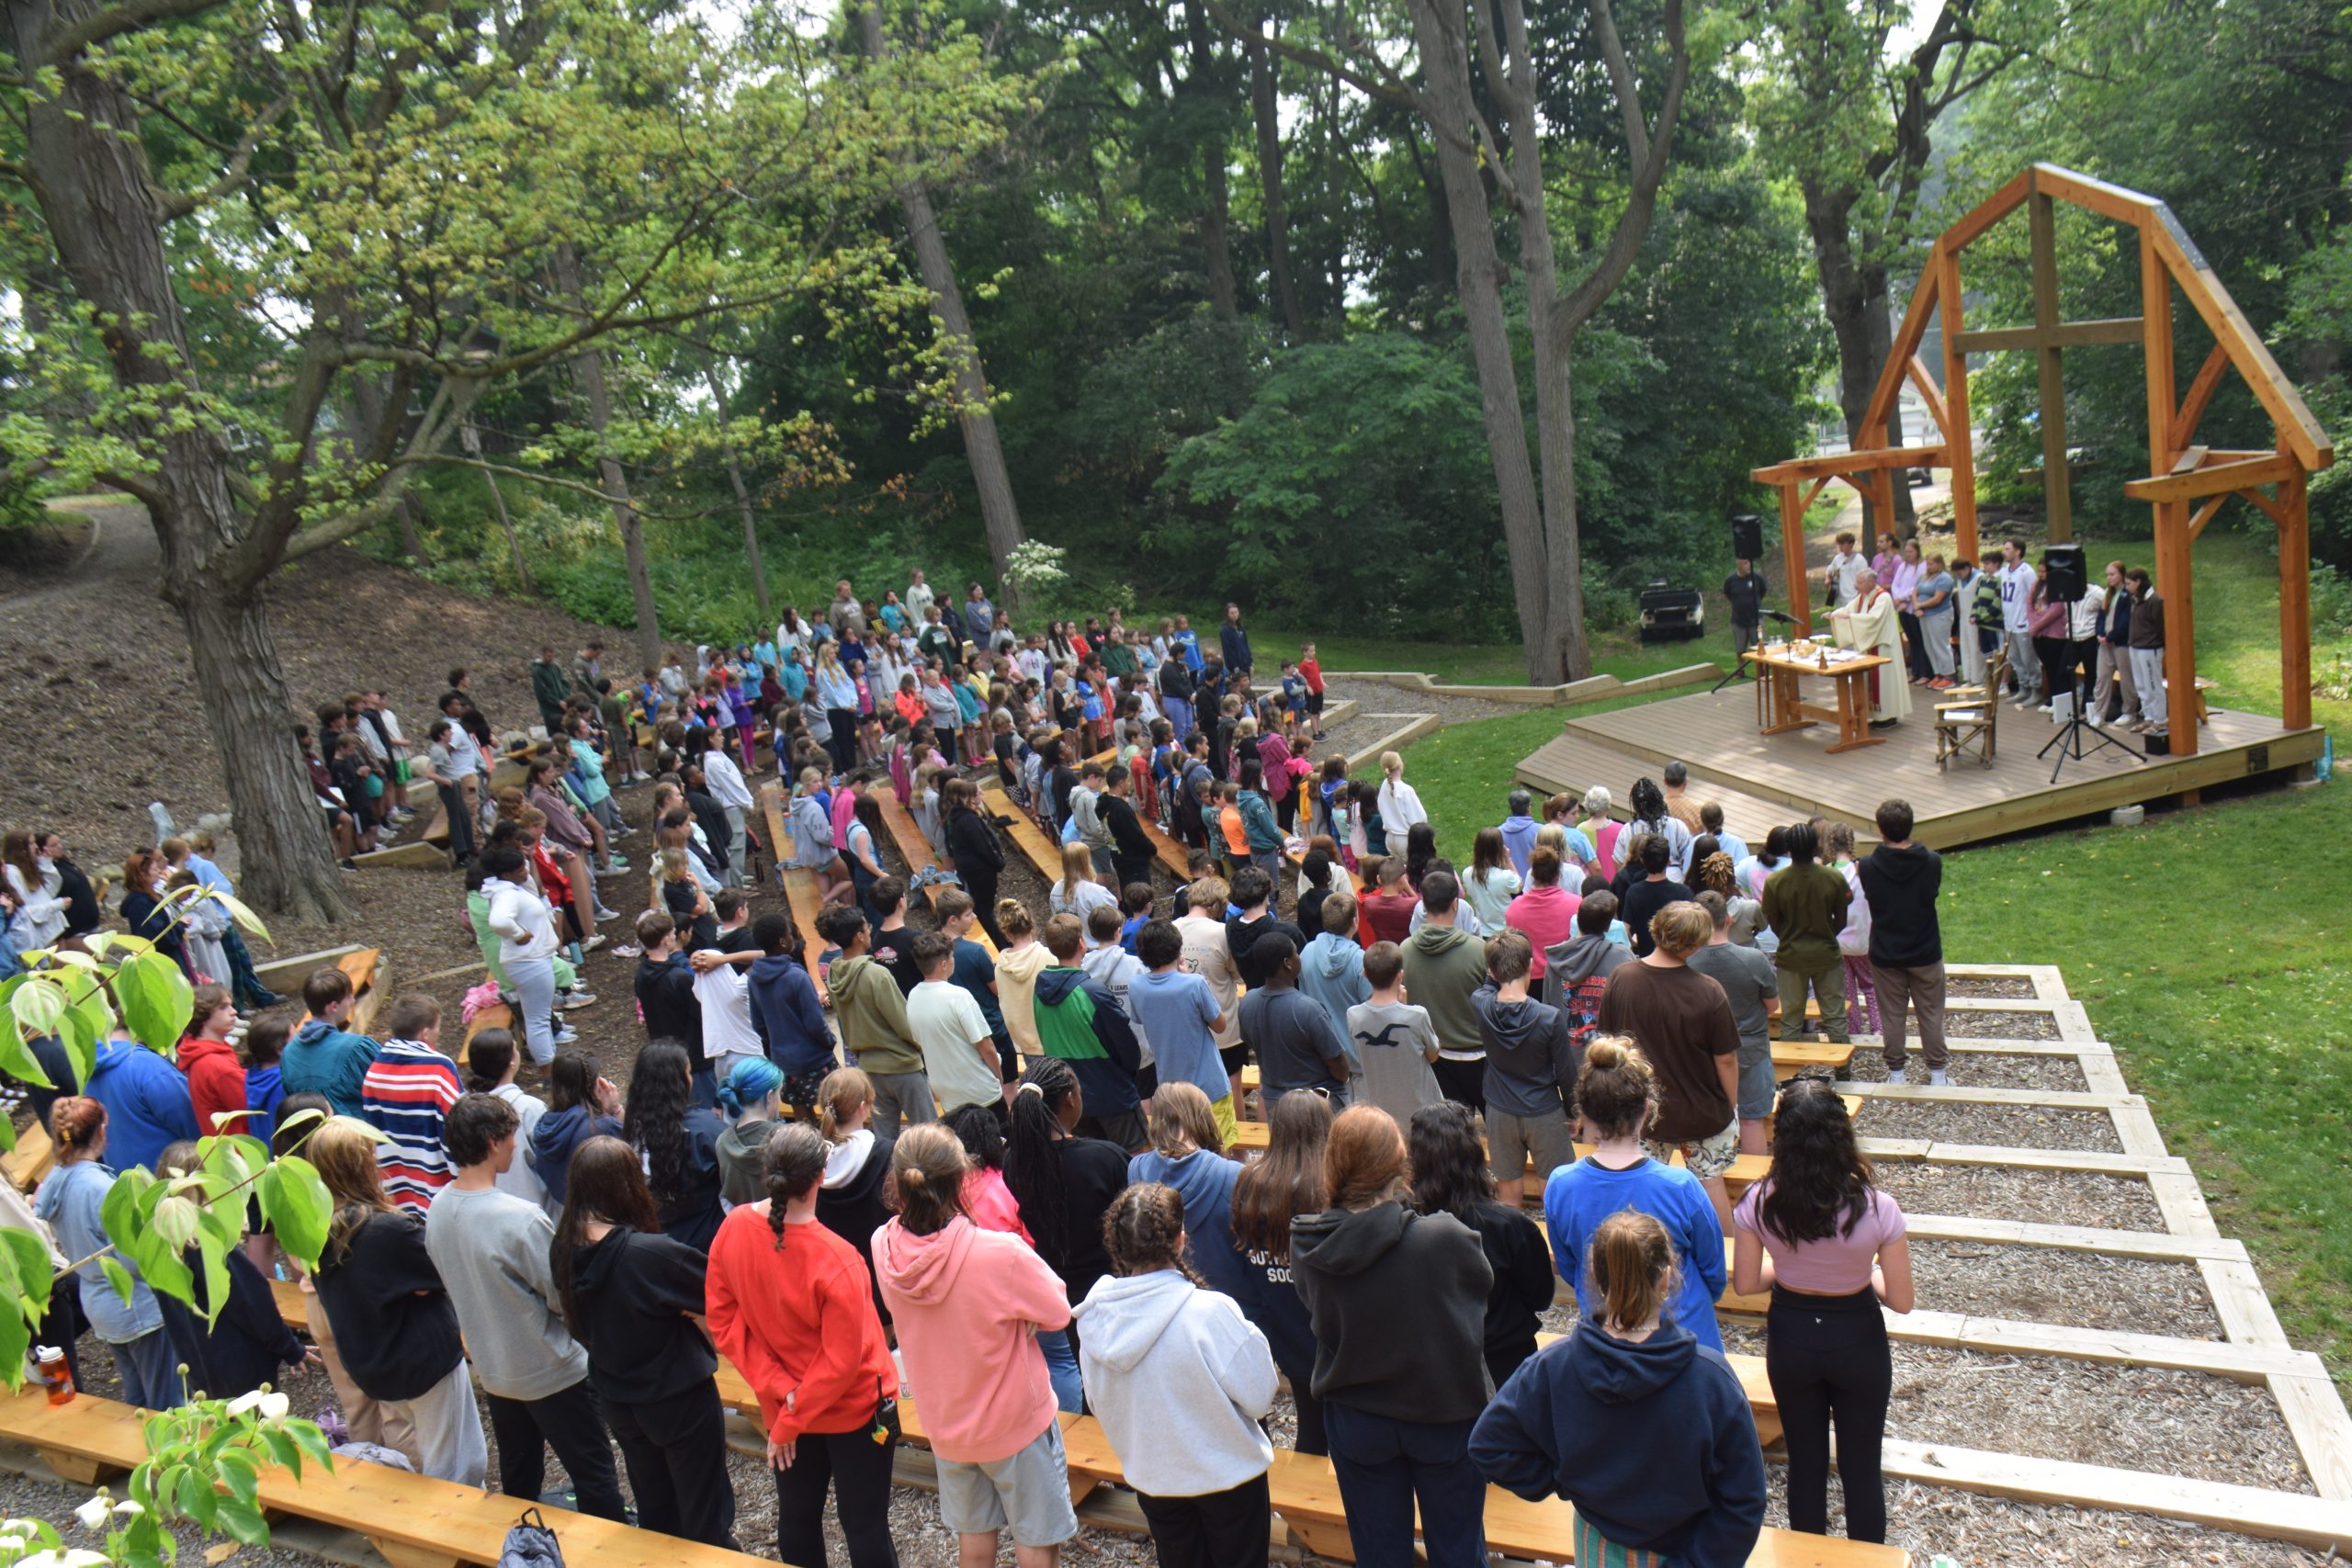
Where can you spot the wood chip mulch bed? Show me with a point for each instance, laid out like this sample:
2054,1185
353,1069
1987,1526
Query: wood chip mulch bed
2015,987
1998,1193
1981,1069
1972,1025
2041,1284
2011,1126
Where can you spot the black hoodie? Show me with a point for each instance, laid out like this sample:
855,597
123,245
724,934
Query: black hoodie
1653,1442
630,1295
1357,1272
1901,886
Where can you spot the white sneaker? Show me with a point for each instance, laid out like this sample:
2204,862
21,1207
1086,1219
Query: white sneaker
1895,1076
1937,1079
594,943
567,1036
603,915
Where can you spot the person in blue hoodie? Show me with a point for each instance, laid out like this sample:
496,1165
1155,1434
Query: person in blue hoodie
71,1197
1641,1428
1519,832
324,1057
1187,1153
581,1106
787,1015
148,1107
1331,970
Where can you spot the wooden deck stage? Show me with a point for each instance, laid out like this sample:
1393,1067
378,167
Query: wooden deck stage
1761,780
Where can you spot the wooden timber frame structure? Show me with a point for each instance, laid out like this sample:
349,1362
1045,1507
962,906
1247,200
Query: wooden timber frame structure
2187,483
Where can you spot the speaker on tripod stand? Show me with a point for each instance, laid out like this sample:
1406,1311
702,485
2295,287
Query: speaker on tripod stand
2064,578
1747,537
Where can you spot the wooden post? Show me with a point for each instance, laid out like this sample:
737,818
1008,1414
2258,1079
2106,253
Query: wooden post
2173,539
2295,601
1961,446
2057,501
1800,587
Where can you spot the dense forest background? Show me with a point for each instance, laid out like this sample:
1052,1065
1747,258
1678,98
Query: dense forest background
1198,401
1414,318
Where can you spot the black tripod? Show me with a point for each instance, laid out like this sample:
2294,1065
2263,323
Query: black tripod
2069,740
1739,665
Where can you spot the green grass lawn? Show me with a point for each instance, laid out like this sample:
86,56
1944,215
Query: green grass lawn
2207,945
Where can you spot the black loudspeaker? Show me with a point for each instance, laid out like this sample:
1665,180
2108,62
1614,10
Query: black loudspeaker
2061,573
1747,537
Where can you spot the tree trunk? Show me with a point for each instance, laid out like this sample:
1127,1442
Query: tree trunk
473,439
412,541
1479,273
1854,295
83,151
742,499
1216,204
999,514
1264,93
588,365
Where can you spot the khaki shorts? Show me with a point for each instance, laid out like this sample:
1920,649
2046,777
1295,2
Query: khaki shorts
1510,1140
1028,1492
1707,1158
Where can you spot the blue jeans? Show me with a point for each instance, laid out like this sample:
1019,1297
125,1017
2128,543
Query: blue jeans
150,1369
1385,1466
1061,1370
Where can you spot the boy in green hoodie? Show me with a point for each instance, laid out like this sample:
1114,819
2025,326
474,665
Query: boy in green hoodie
871,1012
1444,967
1079,1021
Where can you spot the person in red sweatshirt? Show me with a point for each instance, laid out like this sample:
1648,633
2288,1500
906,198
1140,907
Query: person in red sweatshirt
216,1080
967,1303
791,1306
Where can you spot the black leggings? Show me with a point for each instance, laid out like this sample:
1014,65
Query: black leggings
859,1470
1828,1359
675,1449
981,885
843,745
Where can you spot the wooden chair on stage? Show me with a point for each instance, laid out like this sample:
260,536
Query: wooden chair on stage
1970,717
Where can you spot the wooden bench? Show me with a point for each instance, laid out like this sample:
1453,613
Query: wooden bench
1297,861
370,981
1306,1494
33,1157
916,850
414,1520
1791,1057
1041,851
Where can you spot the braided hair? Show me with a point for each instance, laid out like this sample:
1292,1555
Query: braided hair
1143,1230
1032,1167
792,1163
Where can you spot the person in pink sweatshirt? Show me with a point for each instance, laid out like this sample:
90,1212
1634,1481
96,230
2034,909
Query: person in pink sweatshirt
967,1303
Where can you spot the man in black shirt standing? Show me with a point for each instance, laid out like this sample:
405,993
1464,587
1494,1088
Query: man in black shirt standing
1745,590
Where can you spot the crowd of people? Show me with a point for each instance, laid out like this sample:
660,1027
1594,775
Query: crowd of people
988,1158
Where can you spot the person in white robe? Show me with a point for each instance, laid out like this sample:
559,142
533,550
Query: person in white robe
1867,623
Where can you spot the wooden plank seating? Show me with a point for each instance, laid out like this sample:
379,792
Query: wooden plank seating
369,980
916,849
31,1159
1790,1058
1042,855
414,1520
1306,1494
1173,856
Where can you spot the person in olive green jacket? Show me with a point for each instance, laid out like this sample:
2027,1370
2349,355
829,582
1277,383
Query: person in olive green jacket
872,1012
1444,967
1804,902
550,686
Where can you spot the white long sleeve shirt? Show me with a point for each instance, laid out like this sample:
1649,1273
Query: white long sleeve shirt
524,924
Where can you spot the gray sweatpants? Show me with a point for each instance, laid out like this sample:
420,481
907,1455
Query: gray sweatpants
1920,988
898,1095
2026,665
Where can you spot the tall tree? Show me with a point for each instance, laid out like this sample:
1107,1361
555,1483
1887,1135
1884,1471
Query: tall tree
975,411
1854,122
1482,108
377,190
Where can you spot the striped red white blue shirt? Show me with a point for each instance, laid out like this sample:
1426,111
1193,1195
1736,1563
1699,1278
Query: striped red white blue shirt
409,1089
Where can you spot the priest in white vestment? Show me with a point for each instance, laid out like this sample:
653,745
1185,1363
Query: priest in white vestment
1867,624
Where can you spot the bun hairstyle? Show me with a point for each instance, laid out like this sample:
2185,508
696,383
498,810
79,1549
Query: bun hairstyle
1632,1264
792,1163
76,1123
1616,1089
1012,917
927,1166
1143,1230
838,1097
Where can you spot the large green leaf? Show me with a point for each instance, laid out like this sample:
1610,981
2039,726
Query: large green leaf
15,1337
118,1277
37,1002
157,1000
88,1019
297,1207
